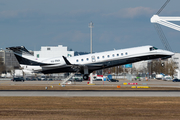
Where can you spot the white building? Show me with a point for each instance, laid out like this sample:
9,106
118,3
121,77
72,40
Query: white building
141,65
53,51
176,59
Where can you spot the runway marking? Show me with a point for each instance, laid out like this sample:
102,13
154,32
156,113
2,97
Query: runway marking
5,82
51,82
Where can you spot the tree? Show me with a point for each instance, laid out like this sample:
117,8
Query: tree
163,66
172,67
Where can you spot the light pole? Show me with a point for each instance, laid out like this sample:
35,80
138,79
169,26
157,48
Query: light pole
91,26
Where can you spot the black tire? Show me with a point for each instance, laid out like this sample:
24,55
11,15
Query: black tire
85,77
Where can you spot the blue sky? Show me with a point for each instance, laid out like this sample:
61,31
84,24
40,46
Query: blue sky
118,24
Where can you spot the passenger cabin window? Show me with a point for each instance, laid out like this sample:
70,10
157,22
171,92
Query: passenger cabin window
87,59
108,56
121,54
98,57
48,48
113,55
81,59
117,54
102,56
126,53
76,60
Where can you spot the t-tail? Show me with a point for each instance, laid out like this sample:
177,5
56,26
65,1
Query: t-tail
24,57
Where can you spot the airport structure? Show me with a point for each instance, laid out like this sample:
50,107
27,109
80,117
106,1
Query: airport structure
141,64
176,59
8,59
53,51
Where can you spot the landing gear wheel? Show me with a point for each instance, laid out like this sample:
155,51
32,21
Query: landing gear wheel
85,77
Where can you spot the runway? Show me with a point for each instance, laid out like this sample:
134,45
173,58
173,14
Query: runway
91,93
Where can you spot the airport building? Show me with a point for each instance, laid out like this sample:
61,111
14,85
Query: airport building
53,51
8,59
176,59
141,65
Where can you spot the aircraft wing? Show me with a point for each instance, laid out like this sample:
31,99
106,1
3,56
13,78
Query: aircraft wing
53,66
77,67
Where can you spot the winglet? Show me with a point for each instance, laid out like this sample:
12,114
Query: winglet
67,62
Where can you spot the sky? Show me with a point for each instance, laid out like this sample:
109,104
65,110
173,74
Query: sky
118,24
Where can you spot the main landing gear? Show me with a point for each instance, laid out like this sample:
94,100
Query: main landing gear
86,77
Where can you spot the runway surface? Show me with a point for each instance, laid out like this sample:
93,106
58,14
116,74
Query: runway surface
92,93
151,83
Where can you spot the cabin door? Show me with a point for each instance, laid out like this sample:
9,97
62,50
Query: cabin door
93,58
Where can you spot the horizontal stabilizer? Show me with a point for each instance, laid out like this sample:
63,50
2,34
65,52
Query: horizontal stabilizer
21,50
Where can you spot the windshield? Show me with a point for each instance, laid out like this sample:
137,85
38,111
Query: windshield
152,48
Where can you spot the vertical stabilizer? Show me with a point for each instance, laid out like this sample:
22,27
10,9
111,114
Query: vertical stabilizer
23,56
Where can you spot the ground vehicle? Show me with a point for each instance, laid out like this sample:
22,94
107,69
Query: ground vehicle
113,80
159,76
176,80
33,79
167,78
28,79
76,80
98,79
45,79
50,79
77,76
18,79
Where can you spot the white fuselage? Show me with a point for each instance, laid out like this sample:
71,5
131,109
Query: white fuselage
123,56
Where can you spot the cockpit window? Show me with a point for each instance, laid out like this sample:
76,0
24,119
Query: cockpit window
155,48
152,48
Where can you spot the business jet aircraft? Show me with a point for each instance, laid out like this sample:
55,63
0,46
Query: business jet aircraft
86,64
